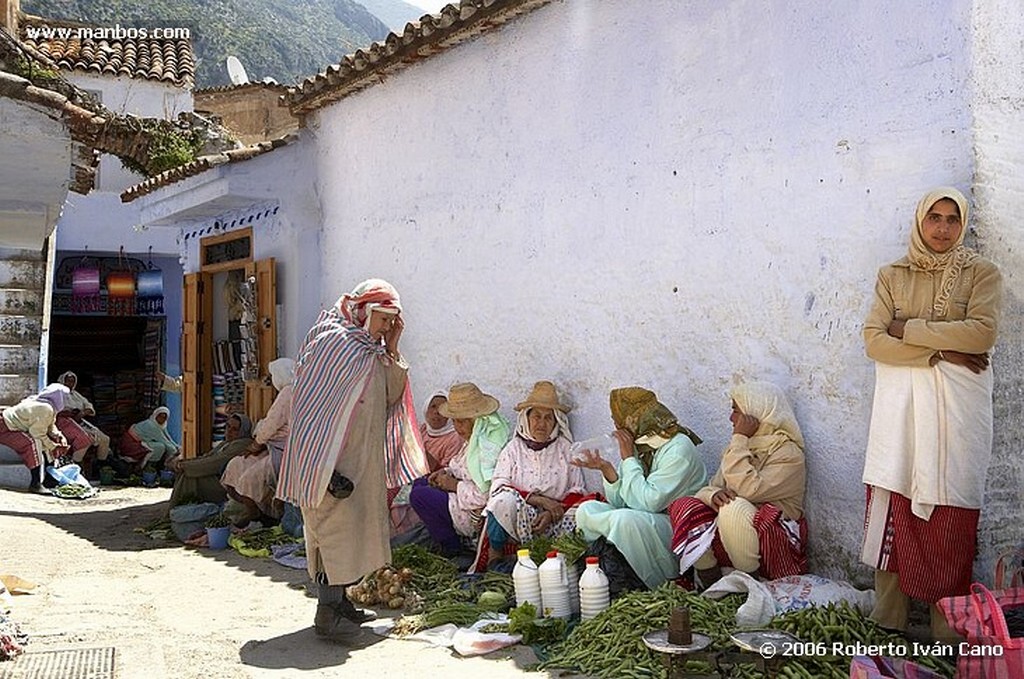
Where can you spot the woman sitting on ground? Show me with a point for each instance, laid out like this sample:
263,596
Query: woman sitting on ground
450,501
757,495
29,428
147,442
440,440
252,478
79,441
77,409
659,464
534,489
441,443
198,479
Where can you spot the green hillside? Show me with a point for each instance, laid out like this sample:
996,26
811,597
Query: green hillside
284,39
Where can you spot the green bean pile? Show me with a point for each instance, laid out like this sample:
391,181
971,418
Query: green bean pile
611,645
843,623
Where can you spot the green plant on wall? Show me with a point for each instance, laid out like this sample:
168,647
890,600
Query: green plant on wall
168,148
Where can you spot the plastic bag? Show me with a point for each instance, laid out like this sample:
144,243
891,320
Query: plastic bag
68,474
757,610
621,576
864,667
471,641
978,617
795,592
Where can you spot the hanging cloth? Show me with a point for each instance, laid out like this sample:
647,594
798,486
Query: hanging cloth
85,288
121,289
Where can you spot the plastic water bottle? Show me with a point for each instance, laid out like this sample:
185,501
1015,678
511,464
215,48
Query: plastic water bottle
554,587
593,589
572,574
606,445
526,580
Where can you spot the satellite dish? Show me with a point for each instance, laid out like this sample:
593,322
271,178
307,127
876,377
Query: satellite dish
236,71
269,81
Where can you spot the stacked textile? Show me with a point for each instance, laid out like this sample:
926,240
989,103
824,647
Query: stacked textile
220,411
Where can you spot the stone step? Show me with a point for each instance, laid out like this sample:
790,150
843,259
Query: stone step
18,360
13,388
20,302
23,273
21,330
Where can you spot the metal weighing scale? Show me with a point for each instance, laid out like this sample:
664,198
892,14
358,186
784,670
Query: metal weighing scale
678,645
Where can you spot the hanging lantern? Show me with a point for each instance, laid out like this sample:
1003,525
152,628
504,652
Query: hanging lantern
85,289
121,293
151,292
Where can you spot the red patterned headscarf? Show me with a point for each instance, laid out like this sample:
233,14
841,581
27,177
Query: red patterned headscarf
369,295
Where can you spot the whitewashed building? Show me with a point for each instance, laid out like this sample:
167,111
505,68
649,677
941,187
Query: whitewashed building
669,194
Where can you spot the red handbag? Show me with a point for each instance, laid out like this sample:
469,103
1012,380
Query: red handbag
989,652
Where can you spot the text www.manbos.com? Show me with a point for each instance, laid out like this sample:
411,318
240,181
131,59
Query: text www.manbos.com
115,32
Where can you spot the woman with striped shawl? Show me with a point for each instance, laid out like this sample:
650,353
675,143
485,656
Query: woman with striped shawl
353,434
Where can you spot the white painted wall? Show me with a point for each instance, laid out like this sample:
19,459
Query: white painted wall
677,195
998,107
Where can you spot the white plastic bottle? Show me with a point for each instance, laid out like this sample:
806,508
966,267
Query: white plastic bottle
572,573
606,445
554,587
526,580
594,596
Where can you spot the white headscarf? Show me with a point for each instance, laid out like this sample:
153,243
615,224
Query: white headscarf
448,426
768,403
561,426
282,372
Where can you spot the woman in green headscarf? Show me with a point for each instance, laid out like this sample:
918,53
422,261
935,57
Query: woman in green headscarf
450,501
659,463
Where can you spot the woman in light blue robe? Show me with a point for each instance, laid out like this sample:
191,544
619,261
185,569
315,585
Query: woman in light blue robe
659,464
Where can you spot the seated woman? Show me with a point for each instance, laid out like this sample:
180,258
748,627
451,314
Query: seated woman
757,495
451,500
29,428
77,409
78,441
440,440
440,444
199,478
534,489
147,442
252,478
659,464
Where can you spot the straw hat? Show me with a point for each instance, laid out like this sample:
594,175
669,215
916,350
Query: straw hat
543,396
466,401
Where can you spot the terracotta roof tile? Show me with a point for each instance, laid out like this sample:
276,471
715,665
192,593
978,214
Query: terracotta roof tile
430,35
202,164
162,60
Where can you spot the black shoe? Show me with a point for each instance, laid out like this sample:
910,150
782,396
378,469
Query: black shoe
330,625
356,615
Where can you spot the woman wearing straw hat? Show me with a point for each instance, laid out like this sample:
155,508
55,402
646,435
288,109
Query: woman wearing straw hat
450,501
534,489
659,464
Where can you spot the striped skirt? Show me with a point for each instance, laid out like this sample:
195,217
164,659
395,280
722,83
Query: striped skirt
934,558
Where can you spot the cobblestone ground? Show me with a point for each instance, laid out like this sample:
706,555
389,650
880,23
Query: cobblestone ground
172,611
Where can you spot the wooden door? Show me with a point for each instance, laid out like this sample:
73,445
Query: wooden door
259,393
196,365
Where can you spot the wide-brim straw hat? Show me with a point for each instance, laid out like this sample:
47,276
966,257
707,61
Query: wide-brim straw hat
466,401
543,395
